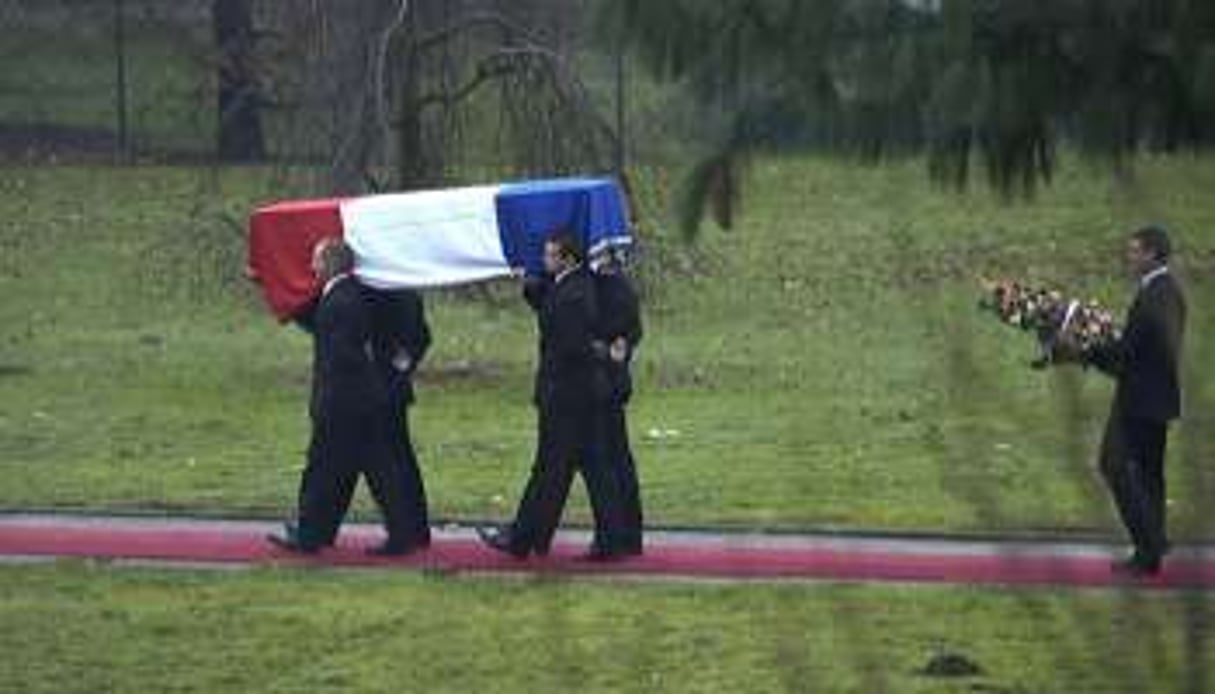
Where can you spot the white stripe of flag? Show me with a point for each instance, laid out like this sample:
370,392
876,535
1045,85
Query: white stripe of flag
425,239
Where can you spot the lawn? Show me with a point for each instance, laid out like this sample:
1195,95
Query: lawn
822,365
270,630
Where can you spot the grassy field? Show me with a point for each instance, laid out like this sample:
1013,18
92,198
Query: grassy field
288,630
821,365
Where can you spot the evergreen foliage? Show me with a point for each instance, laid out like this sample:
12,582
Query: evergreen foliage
1003,81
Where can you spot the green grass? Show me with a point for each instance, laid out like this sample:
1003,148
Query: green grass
270,630
823,364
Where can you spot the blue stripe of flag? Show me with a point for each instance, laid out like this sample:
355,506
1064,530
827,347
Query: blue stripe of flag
530,211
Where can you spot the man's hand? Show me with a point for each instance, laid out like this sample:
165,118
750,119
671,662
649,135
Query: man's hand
619,351
1066,350
401,361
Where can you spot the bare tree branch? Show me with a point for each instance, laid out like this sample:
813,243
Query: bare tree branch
355,139
472,21
506,61
380,67
488,69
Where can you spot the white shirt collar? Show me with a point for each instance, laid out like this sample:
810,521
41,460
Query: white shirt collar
1147,279
333,281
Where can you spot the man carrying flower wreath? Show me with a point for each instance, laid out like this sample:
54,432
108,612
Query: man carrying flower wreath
1144,362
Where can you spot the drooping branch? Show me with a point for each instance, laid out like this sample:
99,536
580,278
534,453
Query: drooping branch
381,66
506,61
359,143
409,101
474,21
488,69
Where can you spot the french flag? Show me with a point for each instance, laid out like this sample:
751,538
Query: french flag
432,238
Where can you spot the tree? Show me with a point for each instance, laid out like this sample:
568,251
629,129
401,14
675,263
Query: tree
1006,80
420,71
446,57
404,94
240,136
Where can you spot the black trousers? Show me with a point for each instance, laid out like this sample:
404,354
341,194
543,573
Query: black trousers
405,459
1132,464
566,443
619,456
343,446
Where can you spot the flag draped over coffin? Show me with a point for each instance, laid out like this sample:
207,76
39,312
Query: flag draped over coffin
430,238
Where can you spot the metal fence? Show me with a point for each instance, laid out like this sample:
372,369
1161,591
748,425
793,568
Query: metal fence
140,79
105,77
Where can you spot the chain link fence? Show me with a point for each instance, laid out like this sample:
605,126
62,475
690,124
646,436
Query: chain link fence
111,78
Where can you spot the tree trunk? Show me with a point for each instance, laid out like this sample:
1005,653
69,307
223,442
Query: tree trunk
416,164
411,155
357,26
240,124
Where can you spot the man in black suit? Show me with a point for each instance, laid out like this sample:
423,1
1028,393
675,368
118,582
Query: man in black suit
400,339
618,333
348,408
1144,362
564,398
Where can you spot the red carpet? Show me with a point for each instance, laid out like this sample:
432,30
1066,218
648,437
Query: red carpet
702,556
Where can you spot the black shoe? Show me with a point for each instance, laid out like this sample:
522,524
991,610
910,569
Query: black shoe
293,529
290,541
499,539
620,550
395,549
606,554
631,548
1136,566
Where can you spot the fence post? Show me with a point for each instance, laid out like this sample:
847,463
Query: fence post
123,149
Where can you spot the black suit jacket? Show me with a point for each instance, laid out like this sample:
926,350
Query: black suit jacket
619,316
1145,359
398,321
566,312
345,383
